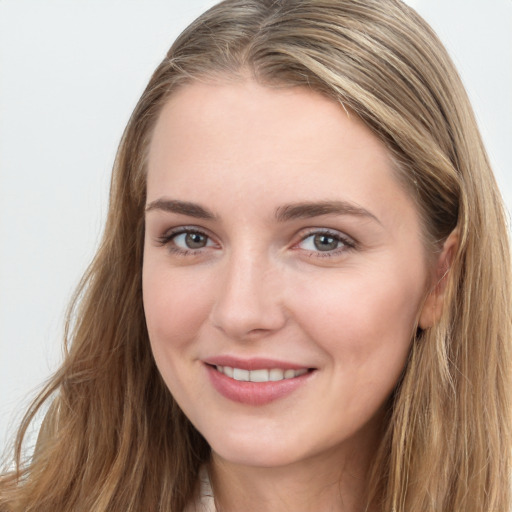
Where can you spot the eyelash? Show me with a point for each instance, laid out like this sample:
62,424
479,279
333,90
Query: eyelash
346,242
168,238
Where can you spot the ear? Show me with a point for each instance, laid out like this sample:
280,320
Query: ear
433,305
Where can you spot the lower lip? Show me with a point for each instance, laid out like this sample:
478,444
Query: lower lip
254,393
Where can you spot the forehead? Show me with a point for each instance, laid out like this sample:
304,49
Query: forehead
272,116
241,139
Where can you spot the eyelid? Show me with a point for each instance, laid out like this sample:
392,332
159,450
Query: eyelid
167,238
348,243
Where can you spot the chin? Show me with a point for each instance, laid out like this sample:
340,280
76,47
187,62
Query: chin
255,451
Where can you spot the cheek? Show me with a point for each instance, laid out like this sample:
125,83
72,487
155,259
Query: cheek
365,327
175,304
364,320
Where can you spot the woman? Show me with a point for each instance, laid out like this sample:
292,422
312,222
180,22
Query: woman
302,295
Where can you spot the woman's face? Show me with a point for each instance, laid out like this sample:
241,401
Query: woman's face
283,273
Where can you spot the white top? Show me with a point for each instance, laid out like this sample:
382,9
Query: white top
205,501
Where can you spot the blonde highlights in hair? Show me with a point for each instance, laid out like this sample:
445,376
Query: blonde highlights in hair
115,440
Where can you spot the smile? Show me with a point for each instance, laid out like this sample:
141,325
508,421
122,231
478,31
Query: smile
259,385
261,375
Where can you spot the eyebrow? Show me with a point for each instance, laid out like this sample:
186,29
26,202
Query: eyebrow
316,209
181,207
282,214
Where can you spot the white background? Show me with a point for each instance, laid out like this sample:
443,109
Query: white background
70,75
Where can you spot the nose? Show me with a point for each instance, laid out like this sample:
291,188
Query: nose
249,301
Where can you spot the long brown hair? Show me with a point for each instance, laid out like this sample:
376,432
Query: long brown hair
113,438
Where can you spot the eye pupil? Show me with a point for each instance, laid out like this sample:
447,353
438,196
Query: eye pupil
195,240
325,242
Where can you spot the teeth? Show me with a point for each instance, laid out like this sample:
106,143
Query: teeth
239,374
276,374
258,376
263,375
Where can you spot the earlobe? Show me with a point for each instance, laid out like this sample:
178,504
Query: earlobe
433,306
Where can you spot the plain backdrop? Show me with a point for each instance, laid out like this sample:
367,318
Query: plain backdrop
70,75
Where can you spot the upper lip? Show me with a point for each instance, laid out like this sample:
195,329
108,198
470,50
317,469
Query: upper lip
256,363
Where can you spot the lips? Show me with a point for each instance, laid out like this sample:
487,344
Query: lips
256,381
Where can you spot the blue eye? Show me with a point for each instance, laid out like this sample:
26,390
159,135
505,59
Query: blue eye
326,242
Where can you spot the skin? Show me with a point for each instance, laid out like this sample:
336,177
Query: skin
265,287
